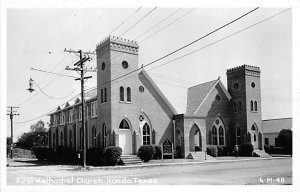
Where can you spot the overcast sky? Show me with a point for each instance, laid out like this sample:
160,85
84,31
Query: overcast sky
37,37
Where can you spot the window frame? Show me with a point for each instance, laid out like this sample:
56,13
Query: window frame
128,94
62,118
122,95
147,136
71,114
94,112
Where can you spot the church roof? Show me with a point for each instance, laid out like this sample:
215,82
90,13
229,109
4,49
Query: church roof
142,71
276,125
198,94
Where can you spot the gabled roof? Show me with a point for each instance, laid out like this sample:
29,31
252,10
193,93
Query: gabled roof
67,105
58,108
276,125
146,75
198,94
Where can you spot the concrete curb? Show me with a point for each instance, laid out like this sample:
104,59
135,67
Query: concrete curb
174,164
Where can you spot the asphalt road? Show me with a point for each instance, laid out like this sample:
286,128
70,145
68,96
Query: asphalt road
254,172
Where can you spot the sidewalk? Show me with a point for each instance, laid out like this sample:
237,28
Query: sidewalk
153,163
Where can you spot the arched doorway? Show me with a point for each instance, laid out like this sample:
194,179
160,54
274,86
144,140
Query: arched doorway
195,138
260,141
125,137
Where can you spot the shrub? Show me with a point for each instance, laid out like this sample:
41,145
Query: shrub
198,148
112,155
41,153
146,152
212,150
157,152
94,156
65,155
246,150
222,150
285,140
267,149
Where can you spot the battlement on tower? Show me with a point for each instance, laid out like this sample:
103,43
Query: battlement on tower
118,44
244,70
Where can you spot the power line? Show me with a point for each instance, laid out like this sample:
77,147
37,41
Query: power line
138,21
125,20
175,51
168,24
51,96
158,23
52,73
233,34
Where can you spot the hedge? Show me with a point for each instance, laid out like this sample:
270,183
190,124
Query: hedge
41,153
157,152
146,152
246,150
112,155
212,150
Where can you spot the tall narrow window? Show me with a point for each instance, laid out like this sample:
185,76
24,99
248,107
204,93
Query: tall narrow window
94,137
128,94
239,104
254,137
80,113
105,95
215,135
70,139
102,96
54,140
104,135
71,116
221,135
146,134
251,104
121,93
255,105
81,139
94,109
54,121
234,106
238,135
61,138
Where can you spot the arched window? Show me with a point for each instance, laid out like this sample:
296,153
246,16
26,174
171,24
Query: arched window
215,135
102,96
239,106
253,128
124,125
255,105
146,134
128,94
61,138
238,135
105,95
81,139
251,104
234,106
254,137
221,135
104,135
94,138
70,139
121,93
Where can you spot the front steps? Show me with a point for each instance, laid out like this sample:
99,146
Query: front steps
199,155
131,159
260,153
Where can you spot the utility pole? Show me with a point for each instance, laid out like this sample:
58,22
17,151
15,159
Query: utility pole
11,115
80,67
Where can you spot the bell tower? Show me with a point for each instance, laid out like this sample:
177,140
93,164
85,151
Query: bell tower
243,84
117,64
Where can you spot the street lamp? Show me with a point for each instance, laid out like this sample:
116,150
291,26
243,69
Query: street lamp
30,89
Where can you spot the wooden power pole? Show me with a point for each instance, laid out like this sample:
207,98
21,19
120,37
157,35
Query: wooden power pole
11,115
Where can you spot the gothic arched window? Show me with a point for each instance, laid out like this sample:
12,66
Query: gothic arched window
121,93
146,134
215,135
128,94
221,135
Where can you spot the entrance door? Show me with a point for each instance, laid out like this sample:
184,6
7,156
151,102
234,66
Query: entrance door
125,141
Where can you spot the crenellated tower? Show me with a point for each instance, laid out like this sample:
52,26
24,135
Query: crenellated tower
243,84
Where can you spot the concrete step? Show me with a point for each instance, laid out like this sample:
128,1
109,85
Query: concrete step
260,153
131,159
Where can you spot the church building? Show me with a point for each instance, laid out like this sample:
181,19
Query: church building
129,110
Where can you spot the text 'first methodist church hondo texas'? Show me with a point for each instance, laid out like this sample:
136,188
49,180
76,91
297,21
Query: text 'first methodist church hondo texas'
132,111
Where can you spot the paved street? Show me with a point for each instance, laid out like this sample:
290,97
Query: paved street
271,171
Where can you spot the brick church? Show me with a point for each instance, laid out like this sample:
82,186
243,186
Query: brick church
130,110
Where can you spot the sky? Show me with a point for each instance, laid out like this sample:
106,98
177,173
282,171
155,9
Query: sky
37,37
